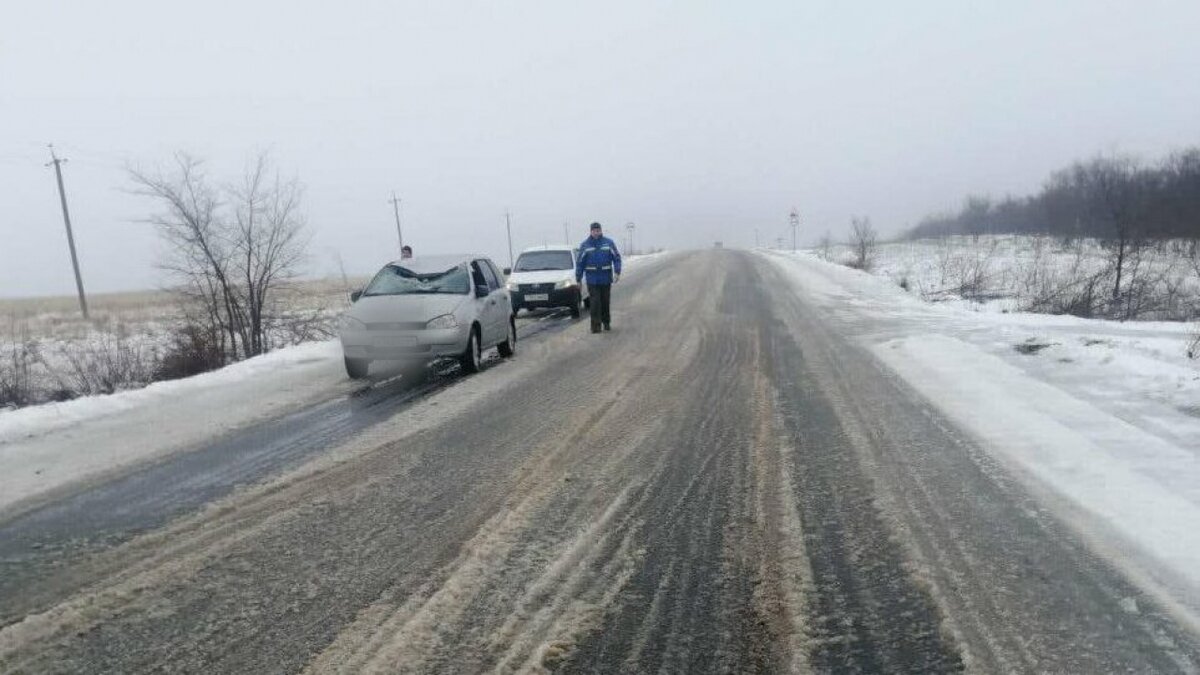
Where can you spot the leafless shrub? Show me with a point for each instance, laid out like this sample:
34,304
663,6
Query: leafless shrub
862,243
964,271
17,359
975,272
1076,289
104,364
193,349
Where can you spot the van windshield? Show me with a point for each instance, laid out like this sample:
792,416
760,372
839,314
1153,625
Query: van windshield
398,280
540,261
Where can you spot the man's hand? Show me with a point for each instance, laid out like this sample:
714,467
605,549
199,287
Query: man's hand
616,278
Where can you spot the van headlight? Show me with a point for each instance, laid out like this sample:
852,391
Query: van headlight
512,285
348,322
565,283
442,322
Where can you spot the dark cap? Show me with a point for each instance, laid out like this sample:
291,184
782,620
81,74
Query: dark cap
595,226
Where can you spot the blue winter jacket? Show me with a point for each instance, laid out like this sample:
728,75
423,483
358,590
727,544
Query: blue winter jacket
599,260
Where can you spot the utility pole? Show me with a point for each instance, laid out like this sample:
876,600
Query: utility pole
630,226
794,220
396,208
62,197
508,227
566,233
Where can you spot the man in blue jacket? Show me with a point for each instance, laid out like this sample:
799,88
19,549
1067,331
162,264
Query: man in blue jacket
600,261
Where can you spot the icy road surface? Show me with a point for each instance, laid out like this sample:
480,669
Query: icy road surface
724,483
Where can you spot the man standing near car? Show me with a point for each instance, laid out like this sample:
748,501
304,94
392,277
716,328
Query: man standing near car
600,261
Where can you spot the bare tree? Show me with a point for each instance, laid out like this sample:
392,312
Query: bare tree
862,242
231,249
269,245
1119,190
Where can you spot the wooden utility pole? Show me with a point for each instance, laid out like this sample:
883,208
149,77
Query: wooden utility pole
508,227
62,197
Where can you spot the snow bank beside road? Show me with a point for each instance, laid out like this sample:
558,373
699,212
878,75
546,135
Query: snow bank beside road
42,419
1103,415
1141,486
48,446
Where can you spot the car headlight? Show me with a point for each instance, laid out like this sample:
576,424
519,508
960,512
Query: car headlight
442,322
512,285
565,283
348,322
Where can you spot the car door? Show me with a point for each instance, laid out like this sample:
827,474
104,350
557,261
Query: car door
505,299
488,305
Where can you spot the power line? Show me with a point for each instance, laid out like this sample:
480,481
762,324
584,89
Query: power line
62,197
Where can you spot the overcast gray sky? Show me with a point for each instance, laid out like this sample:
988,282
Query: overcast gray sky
696,120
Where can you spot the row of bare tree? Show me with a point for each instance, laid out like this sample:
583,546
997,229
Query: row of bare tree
1129,206
1105,197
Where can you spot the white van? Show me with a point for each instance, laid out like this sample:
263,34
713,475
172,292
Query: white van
544,276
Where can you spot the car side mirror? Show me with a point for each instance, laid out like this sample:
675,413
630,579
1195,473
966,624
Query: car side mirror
354,296
482,291
507,271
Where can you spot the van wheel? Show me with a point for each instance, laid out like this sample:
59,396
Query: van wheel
508,348
575,311
473,357
357,369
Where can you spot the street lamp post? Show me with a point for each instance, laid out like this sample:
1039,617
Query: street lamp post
630,227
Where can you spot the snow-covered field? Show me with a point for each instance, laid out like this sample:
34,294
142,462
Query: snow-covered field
1102,417
1042,274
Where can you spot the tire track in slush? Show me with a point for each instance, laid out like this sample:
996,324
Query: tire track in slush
693,606
867,614
764,552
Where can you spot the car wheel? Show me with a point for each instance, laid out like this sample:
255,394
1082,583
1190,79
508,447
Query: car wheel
473,357
575,311
508,348
357,369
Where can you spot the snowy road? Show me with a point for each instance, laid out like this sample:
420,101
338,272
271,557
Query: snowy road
725,483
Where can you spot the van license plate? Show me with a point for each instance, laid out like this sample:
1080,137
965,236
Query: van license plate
537,297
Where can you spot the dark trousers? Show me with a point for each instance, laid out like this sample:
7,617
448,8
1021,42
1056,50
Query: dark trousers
600,294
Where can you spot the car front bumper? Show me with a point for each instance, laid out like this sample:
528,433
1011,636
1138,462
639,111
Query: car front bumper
404,345
564,297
